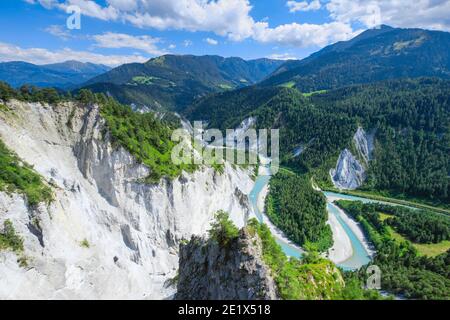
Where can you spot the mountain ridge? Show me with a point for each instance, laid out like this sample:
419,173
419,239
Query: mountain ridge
175,81
63,75
373,55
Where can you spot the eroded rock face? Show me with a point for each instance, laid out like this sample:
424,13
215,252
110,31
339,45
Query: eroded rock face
237,139
350,171
364,143
237,271
133,229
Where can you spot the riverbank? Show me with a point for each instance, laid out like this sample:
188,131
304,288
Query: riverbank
288,246
342,246
353,225
389,200
350,249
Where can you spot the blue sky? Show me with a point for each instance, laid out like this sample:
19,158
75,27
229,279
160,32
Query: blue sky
119,31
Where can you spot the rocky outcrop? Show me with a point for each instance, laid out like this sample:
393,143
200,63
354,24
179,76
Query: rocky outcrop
364,144
209,271
237,139
106,235
350,171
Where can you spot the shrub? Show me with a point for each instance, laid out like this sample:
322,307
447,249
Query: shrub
85,243
9,239
223,230
16,176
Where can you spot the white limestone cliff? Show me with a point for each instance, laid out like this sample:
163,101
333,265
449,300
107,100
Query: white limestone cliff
133,229
350,172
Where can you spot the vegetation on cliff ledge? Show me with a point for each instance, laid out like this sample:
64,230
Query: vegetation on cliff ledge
144,136
17,176
9,238
312,277
223,230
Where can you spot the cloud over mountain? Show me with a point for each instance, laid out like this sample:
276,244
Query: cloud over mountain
232,19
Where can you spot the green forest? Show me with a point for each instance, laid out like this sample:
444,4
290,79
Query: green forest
404,271
420,226
411,119
299,211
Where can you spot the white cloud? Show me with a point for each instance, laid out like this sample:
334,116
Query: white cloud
59,31
304,35
187,43
429,14
232,19
9,52
295,6
88,7
172,46
48,4
121,40
282,56
211,41
228,18
92,9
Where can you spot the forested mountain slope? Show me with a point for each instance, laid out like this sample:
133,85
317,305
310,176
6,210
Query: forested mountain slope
173,81
411,119
374,55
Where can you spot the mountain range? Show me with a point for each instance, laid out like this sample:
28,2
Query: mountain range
93,205
392,82
64,75
374,55
174,82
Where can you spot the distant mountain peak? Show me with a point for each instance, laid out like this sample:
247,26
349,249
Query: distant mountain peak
373,55
61,75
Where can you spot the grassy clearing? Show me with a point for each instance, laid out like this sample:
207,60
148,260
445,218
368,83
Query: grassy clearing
290,84
225,87
309,94
144,80
434,249
384,216
430,250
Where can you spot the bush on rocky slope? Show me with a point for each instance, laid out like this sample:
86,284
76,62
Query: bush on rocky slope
17,176
9,239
